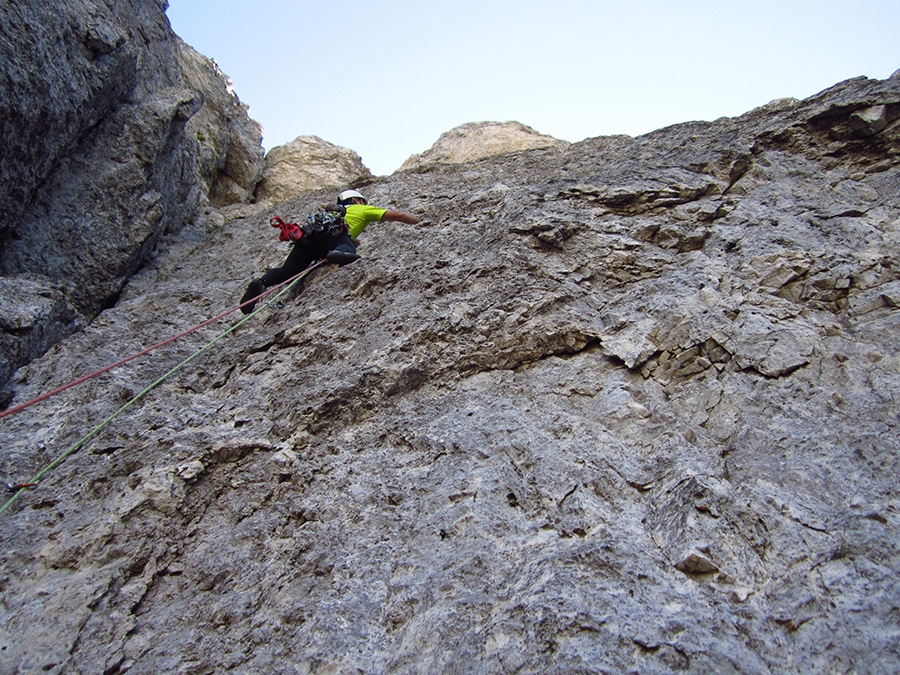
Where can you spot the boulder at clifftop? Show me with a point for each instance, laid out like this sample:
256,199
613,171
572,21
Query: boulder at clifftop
476,140
624,406
305,164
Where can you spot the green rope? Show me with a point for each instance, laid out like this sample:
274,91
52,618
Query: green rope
105,423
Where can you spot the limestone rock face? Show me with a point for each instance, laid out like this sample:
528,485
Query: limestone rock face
625,406
101,155
230,160
306,164
476,140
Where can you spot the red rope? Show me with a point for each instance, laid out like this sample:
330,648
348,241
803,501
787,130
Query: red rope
85,378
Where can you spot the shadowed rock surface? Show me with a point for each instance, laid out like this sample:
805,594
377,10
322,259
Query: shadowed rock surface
112,132
624,406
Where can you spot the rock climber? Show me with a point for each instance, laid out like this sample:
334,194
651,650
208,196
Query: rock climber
335,248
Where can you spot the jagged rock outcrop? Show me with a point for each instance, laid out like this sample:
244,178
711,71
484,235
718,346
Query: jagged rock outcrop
477,140
230,161
628,406
101,156
306,164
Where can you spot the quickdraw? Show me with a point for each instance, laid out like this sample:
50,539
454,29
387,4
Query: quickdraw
20,486
330,222
289,231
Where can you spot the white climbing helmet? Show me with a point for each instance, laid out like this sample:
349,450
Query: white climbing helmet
347,196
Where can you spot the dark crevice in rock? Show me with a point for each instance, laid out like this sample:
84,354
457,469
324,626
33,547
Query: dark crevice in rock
738,170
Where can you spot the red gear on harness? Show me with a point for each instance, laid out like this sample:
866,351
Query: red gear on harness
289,231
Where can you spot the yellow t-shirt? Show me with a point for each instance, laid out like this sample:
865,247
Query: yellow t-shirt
359,216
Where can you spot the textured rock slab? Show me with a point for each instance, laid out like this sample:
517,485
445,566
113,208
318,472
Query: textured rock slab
612,408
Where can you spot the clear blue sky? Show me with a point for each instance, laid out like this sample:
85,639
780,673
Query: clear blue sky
387,78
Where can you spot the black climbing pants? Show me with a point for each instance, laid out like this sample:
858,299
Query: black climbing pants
305,252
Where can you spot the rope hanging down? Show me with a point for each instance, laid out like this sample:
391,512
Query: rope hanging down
96,430
106,369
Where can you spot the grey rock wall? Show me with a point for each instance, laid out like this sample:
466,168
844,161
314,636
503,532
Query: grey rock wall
100,158
230,159
629,406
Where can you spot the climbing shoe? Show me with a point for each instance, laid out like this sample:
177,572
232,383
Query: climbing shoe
254,290
341,257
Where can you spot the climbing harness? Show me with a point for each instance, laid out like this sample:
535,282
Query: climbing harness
21,487
329,222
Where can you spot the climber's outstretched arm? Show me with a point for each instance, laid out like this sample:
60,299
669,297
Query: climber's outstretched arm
400,217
